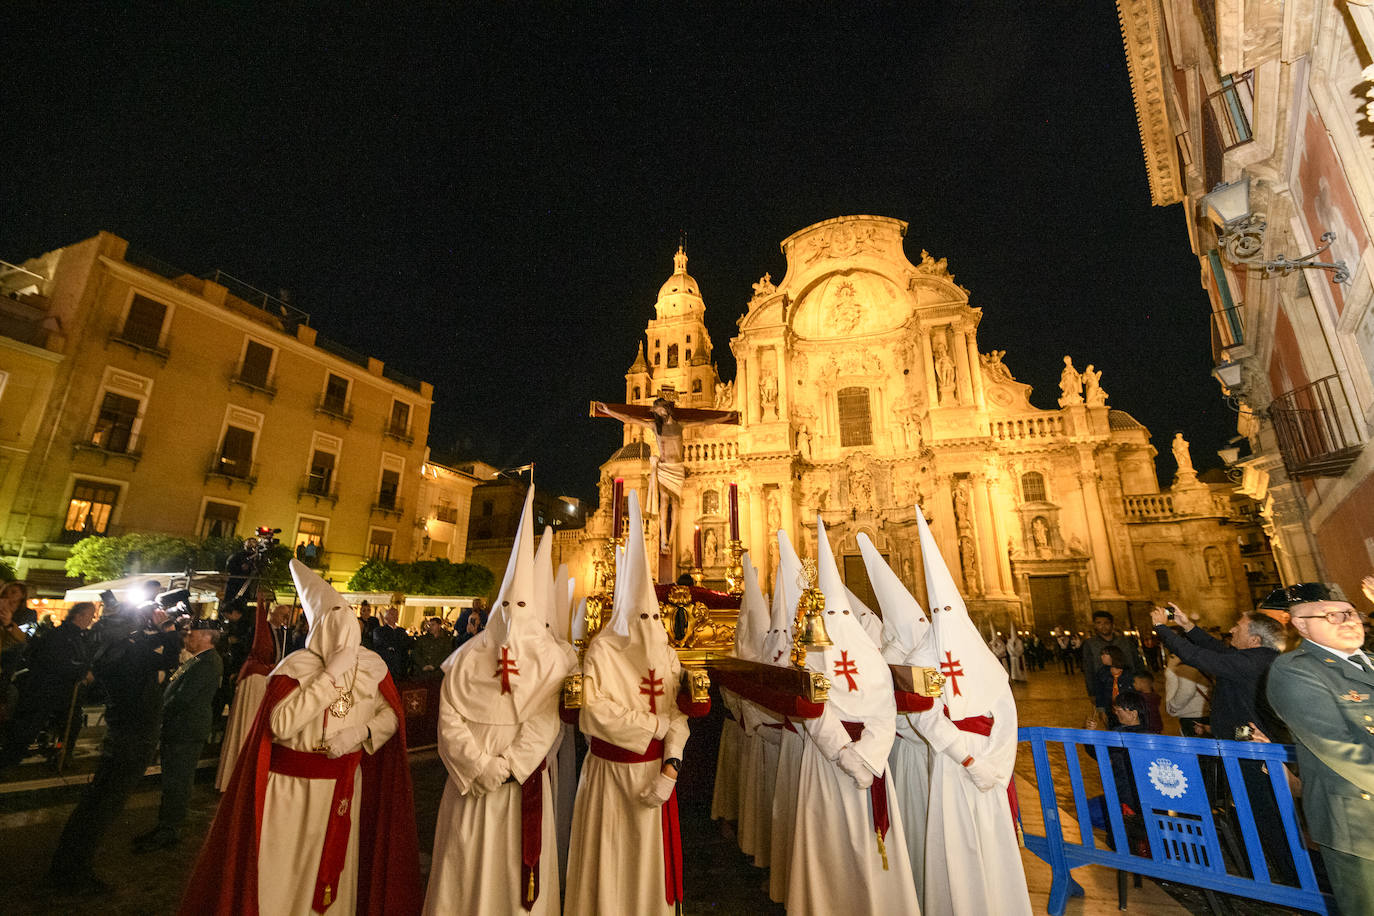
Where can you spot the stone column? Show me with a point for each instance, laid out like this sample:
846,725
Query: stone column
964,383
743,402
1296,553
784,392
975,369
1100,544
986,537
928,360
996,504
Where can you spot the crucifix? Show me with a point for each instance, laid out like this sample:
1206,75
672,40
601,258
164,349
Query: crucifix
667,469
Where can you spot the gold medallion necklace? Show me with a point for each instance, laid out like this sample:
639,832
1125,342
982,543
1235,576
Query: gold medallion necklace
343,703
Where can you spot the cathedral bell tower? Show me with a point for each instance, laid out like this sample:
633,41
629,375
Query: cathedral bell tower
676,353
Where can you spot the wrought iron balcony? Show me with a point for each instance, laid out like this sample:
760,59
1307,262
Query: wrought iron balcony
446,514
232,470
398,431
319,487
389,506
111,441
334,407
262,385
1315,429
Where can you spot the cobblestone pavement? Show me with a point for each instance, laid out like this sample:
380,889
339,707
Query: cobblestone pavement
718,879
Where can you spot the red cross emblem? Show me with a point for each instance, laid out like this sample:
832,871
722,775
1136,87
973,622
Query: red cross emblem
846,668
953,669
651,687
506,670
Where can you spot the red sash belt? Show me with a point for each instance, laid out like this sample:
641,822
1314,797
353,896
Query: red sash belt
982,725
877,794
617,754
531,834
672,835
304,765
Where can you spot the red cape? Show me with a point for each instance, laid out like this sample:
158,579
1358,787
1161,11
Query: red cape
225,877
262,658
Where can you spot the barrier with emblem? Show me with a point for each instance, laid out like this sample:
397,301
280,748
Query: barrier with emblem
1176,828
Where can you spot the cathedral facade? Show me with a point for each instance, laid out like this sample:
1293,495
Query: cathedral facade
863,394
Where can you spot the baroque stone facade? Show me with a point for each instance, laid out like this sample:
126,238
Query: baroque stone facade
863,393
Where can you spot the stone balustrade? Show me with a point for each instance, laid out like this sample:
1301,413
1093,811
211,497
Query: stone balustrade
1047,426
704,452
1149,506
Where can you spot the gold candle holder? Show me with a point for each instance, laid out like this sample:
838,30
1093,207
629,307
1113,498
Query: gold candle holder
734,572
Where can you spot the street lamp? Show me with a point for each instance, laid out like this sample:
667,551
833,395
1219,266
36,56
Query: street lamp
1240,233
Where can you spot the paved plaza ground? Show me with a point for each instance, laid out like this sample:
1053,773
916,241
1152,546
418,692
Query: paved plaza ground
718,880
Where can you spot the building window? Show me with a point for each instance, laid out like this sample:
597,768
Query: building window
1033,487
656,356
1162,580
257,365
143,324
114,425
309,544
236,454
335,394
689,338
445,511
854,418
379,544
320,481
689,355
400,419
696,386
89,510
672,356
220,520
388,492
637,395
1231,108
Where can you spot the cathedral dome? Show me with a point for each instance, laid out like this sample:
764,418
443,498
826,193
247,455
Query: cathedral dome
680,282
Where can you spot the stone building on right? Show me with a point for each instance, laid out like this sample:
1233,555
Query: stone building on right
1257,118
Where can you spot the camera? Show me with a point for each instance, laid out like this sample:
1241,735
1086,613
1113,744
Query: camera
265,542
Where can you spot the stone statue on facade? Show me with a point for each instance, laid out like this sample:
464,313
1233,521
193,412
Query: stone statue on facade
1070,385
944,373
968,560
1040,533
907,412
860,484
1182,457
1092,388
710,552
803,441
993,365
725,396
768,393
764,287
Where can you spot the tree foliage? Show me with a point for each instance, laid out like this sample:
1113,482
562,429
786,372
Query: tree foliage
424,577
96,559
6,572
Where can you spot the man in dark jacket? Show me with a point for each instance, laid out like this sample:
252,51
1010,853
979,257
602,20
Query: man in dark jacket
138,651
188,713
1104,635
1239,671
57,661
393,644
1323,690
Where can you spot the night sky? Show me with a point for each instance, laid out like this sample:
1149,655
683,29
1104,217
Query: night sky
488,196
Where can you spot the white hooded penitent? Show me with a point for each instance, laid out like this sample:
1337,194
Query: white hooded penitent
974,678
515,664
907,636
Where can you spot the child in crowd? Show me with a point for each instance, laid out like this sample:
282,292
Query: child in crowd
1144,684
1109,681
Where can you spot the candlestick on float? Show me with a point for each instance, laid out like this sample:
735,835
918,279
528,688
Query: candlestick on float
734,511
617,507
696,556
734,572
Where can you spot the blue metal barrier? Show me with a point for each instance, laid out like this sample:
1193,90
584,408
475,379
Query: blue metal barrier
1175,817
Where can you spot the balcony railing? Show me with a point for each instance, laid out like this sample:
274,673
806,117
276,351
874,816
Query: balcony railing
1228,330
161,353
265,386
1042,426
108,441
319,488
334,407
446,514
232,470
698,452
384,506
1149,507
398,431
1315,429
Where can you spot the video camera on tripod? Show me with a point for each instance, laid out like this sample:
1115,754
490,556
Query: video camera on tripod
265,541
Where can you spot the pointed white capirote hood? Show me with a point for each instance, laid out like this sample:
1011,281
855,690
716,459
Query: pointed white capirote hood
974,678
860,683
333,624
872,623
563,587
787,589
515,665
754,617
636,627
545,596
907,637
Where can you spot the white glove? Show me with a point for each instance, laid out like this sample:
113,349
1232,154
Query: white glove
339,666
982,775
658,791
850,761
661,728
346,740
496,773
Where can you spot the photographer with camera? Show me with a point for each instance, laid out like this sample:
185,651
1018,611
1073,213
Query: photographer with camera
138,650
188,712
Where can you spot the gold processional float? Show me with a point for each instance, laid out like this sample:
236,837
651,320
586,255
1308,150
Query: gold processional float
700,624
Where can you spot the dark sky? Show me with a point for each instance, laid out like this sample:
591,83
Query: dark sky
488,196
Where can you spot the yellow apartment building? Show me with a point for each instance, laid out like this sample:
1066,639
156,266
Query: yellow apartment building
150,400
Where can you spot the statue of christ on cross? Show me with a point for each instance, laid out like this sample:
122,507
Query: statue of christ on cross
667,469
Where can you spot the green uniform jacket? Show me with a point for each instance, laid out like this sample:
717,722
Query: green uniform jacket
188,704
1329,705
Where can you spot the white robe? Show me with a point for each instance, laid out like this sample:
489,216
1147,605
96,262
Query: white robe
725,795
477,860
758,770
296,810
563,786
836,866
616,861
784,820
1016,659
243,712
909,764
973,861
